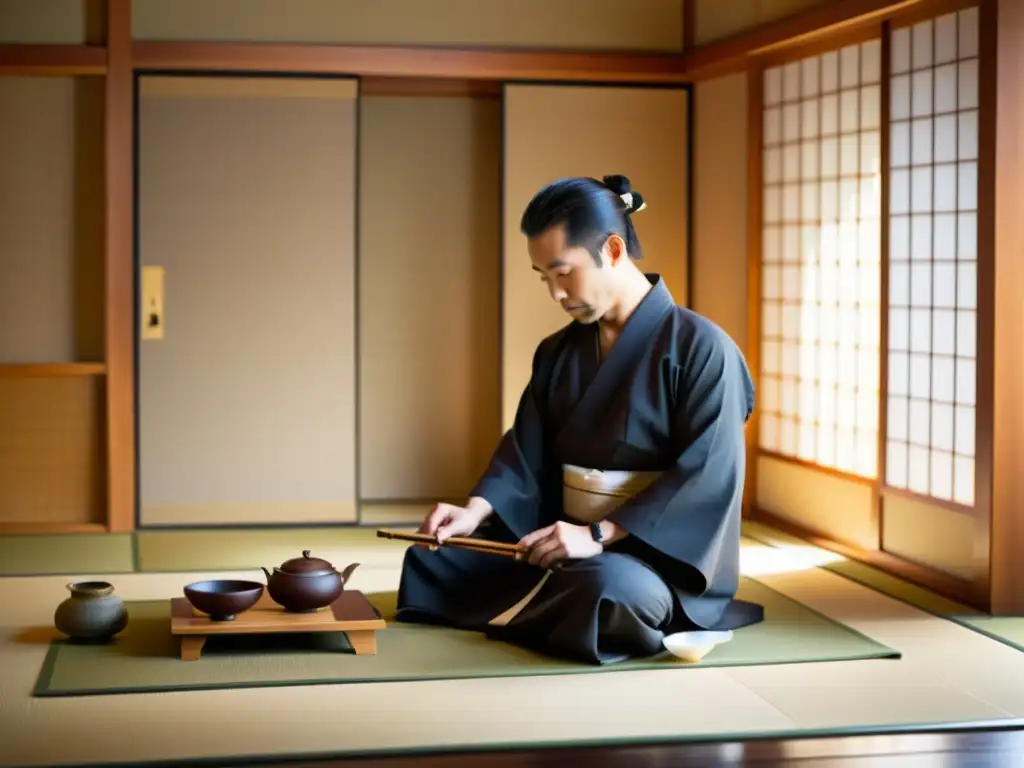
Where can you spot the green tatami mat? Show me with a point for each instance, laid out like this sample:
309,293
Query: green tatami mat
1005,629
146,657
216,549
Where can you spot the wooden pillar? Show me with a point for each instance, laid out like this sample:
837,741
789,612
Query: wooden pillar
119,266
755,137
1003,25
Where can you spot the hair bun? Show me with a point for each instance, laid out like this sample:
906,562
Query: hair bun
620,185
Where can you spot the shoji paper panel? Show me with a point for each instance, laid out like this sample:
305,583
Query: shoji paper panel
933,251
821,260
557,131
429,295
247,201
51,219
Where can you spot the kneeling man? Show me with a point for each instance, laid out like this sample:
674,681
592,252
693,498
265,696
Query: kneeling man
623,472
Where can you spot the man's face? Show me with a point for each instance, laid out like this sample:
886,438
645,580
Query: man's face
585,290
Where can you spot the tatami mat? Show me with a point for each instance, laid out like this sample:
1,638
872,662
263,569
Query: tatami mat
948,675
158,550
145,657
224,548
1005,629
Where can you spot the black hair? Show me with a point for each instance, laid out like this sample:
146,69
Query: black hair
590,210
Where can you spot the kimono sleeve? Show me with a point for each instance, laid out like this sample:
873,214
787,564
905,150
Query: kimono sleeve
515,480
687,520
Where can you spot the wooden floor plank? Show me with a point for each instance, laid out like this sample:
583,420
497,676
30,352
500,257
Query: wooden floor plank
995,747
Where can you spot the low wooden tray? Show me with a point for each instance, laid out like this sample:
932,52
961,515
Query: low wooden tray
351,613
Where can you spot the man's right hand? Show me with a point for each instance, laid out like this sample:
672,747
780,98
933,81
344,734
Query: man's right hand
447,520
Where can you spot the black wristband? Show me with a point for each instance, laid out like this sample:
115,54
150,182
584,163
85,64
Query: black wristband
595,531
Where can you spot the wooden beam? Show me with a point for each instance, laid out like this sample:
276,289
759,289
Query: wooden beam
696,63
1001,283
931,9
22,60
425,86
119,269
50,370
394,61
26,529
730,56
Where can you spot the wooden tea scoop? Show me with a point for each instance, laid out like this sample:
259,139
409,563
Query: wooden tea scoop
459,542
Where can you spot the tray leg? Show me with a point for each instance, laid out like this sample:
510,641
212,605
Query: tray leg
364,641
192,647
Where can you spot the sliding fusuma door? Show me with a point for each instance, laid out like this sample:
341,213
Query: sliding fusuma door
429,261
553,131
246,257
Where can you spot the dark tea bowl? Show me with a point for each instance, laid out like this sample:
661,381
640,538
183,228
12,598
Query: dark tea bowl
223,599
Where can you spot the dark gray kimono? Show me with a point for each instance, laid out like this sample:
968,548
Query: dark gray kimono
672,396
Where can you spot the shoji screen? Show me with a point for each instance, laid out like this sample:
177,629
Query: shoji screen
820,280
557,131
247,202
933,253
873,424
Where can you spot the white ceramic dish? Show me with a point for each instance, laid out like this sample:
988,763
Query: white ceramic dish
694,646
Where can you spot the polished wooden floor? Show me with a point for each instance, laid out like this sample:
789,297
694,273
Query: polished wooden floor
998,748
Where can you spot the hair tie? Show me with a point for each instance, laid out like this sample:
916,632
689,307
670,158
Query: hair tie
627,198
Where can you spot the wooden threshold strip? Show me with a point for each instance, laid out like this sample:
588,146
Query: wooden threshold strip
27,60
960,590
50,370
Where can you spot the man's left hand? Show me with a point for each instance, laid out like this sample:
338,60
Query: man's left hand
561,541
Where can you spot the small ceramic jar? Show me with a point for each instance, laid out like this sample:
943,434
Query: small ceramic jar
92,613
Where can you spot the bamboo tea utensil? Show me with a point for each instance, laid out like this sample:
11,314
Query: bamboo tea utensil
459,542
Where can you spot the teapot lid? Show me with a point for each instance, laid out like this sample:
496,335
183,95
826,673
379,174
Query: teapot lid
306,564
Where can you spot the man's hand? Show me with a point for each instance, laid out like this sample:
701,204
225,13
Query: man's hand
561,541
447,520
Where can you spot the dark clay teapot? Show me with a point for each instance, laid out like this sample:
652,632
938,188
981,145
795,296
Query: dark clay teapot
306,583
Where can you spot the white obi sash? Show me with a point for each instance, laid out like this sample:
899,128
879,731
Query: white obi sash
588,496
